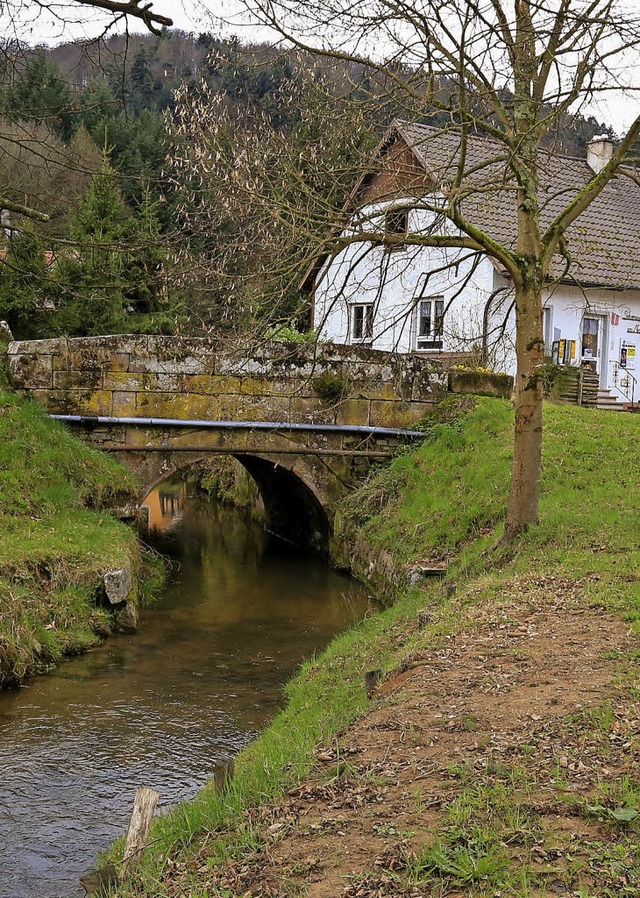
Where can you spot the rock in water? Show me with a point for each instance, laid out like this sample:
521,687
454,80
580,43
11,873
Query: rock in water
127,619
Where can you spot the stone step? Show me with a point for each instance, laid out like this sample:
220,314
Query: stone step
608,402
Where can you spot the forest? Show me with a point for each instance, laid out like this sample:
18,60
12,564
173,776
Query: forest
135,173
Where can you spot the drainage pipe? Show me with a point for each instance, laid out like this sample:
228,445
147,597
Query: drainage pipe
358,429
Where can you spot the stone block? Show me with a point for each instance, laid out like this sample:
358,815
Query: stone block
60,361
123,405
170,346
29,371
429,385
243,367
481,383
373,390
353,411
74,402
96,402
135,382
118,584
264,386
171,364
397,414
119,361
184,406
78,380
254,408
311,411
210,384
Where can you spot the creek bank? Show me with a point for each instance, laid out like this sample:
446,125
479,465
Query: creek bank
69,570
485,801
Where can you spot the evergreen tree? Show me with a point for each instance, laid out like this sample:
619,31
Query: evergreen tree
40,94
91,279
24,286
113,281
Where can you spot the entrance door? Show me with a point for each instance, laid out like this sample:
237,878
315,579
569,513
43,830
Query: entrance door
592,342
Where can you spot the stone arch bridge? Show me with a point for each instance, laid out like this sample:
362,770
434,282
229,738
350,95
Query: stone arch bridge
306,421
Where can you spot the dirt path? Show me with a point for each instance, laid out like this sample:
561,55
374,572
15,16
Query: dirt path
491,748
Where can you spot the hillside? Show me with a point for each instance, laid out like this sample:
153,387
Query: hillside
498,753
57,539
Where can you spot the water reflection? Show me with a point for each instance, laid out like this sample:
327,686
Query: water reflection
196,682
164,505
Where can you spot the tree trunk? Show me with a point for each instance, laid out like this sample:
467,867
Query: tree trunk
527,454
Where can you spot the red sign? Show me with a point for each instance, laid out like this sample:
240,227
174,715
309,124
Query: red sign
615,318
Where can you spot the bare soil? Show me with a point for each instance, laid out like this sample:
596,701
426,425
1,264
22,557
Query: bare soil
534,699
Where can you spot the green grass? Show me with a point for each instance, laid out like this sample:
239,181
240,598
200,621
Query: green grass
443,500
56,537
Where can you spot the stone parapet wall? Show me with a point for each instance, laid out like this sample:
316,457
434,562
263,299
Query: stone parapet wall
189,378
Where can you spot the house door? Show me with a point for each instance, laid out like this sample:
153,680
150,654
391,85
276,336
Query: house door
593,337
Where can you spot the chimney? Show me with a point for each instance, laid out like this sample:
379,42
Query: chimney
599,152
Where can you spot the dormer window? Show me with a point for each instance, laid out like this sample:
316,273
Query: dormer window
396,225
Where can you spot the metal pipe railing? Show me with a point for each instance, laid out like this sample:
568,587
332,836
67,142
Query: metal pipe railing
359,429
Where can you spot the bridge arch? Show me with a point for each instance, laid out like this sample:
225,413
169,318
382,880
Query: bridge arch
293,507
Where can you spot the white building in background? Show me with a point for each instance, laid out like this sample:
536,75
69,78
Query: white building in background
456,303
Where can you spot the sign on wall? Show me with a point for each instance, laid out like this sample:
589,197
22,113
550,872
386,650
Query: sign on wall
628,354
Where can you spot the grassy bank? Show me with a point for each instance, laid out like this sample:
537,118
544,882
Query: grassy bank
56,538
445,502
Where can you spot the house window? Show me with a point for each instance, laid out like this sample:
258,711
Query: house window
396,224
546,329
429,323
362,321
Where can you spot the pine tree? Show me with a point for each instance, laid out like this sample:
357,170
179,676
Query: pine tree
41,95
24,285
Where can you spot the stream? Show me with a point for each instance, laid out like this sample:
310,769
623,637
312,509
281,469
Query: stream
196,683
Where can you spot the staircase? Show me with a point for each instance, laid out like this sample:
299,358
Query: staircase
579,386
608,402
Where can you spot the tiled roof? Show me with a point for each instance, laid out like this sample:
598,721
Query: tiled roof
603,242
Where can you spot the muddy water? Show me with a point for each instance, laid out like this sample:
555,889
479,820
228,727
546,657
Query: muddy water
196,683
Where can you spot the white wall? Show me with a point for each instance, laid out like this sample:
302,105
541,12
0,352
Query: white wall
393,280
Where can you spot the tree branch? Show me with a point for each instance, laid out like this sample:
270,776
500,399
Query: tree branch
153,20
19,209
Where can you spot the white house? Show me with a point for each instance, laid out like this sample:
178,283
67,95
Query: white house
458,303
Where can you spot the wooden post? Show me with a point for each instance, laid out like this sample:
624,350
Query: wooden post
580,384
223,774
144,807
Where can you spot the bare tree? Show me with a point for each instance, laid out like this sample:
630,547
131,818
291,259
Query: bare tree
512,70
